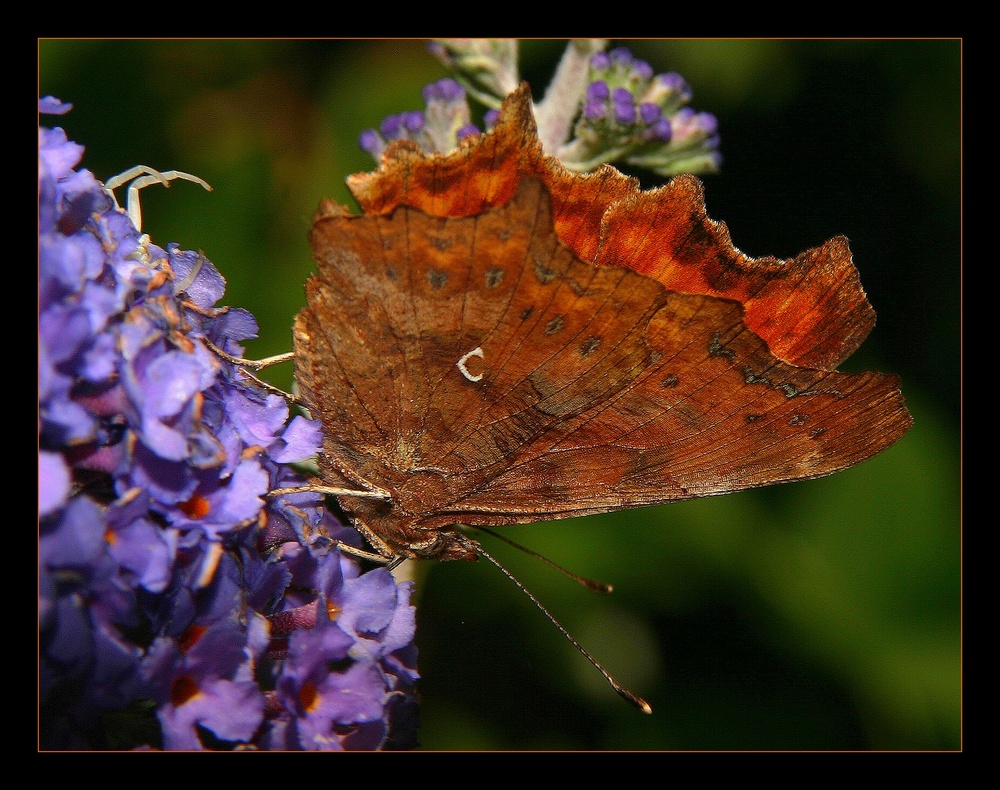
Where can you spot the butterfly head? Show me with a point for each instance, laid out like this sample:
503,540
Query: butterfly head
399,533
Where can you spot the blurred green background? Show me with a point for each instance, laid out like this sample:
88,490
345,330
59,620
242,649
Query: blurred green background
816,615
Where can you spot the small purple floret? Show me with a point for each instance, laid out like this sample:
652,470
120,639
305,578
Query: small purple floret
622,96
446,90
598,91
649,113
391,126
413,121
599,61
662,130
624,113
620,56
370,141
642,70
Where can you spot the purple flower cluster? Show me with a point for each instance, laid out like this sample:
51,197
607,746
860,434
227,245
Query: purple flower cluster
600,108
440,127
632,115
181,607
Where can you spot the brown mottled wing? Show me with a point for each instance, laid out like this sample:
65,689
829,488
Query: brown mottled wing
810,310
589,389
707,410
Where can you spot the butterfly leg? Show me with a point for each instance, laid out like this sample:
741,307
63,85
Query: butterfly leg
385,555
374,493
347,548
253,364
246,365
142,176
390,563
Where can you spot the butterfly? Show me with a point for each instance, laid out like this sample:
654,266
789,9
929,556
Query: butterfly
496,340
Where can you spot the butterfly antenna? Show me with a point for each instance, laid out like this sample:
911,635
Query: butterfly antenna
628,696
590,584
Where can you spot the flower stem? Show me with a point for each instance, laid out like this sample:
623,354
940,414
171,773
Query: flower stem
557,111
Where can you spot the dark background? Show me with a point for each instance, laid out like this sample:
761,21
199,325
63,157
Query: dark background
816,615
